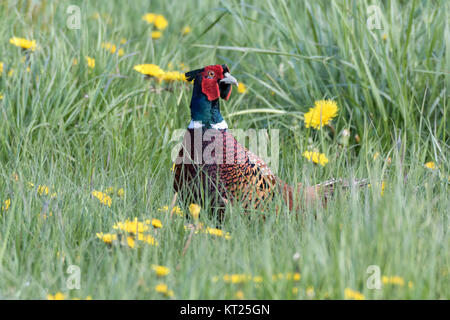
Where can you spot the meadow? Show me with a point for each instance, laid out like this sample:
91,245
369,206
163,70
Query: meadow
85,149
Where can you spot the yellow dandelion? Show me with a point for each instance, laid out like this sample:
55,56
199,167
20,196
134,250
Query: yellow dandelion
6,205
239,295
351,294
257,279
120,192
186,30
156,34
384,36
157,223
394,280
130,242
149,17
74,61
162,288
173,76
430,165
123,41
160,22
316,157
112,48
131,226
322,113
102,197
160,271
23,43
1,96
146,238
42,190
1,68
151,70
90,62
241,88
57,296
194,209
296,276
107,237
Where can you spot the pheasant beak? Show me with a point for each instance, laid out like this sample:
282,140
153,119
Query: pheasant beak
229,79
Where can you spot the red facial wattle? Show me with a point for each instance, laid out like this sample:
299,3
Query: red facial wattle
211,75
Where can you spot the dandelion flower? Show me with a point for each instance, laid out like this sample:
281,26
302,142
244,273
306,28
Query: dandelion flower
322,113
395,280
257,279
160,22
384,36
57,296
173,76
296,276
102,197
120,192
151,70
90,62
131,226
351,294
316,157
1,68
160,271
6,205
149,17
186,30
146,238
156,34
23,43
162,288
156,223
130,242
42,190
194,209
430,165
112,48
107,237
241,88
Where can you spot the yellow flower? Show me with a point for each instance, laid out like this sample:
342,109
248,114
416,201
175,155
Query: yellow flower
239,295
186,30
173,76
316,157
112,48
120,192
177,210
6,205
156,34
162,288
351,294
149,17
123,41
1,96
151,70
322,113
376,155
102,197
23,43
1,68
241,88
160,22
430,165
384,36
90,62
42,190
107,237
147,239
75,61
297,276
130,242
157,223
395,280
194,209
257,279
161,271
57,296
131,226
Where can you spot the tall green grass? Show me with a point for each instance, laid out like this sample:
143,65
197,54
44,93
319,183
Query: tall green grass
75,130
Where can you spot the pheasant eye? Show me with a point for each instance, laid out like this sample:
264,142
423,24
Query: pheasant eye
210,74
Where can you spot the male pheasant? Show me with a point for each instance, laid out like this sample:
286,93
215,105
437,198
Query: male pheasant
212,166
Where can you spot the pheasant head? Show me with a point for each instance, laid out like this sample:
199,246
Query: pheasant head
210,84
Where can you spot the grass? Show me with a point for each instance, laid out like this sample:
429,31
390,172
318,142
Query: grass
75,130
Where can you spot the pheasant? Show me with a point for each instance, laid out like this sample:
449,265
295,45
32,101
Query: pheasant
212,166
